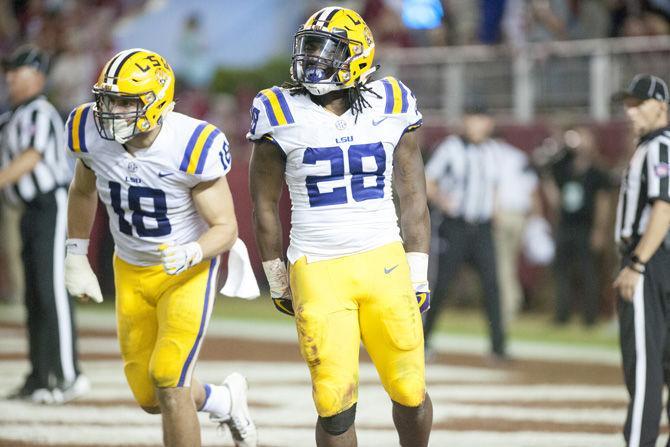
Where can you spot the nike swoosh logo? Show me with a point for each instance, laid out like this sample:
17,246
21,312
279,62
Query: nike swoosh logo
387,271
379,121
164,174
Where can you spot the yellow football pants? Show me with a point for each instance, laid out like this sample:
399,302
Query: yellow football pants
161,322
368,297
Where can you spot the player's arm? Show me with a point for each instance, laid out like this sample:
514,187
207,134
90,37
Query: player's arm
82,202
410,184
214,202
266,178
266,181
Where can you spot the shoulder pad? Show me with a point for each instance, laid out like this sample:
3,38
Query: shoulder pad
197,148
276,107
76,128
397,95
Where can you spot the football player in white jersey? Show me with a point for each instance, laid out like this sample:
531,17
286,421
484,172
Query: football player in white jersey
161,176
339,139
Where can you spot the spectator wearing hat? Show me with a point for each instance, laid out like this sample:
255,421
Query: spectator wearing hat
462,177
33,176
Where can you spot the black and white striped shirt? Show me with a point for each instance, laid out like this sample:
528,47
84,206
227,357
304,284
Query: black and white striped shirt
468,175
34,124
646,179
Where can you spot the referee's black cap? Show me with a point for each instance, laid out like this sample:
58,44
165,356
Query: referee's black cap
643,87
27,55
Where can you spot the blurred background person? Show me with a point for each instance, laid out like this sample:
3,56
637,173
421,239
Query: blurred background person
33,174
195,71
517,197
577,191
462,178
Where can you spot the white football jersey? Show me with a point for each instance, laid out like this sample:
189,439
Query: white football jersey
148,194
338,168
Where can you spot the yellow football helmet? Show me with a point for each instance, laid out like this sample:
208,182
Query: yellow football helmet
135,90
333,50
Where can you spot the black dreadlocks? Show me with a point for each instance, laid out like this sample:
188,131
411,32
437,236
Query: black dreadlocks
355,96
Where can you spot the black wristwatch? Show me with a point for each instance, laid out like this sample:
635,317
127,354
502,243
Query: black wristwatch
636,264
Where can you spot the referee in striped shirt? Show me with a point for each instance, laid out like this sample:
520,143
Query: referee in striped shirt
33,175
643,284
461,182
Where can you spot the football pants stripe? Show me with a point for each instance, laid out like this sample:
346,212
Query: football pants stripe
186,371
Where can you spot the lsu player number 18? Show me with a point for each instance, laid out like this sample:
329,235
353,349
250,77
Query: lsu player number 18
343,143
161,176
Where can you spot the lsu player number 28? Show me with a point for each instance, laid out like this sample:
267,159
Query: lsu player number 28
343,143
161,176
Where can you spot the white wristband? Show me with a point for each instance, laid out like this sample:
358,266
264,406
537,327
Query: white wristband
418,266
77,246
276,273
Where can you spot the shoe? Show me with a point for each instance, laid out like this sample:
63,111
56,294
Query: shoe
78,388
31,394
44,396
239,421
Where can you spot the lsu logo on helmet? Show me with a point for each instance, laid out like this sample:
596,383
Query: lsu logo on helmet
333,50
134,91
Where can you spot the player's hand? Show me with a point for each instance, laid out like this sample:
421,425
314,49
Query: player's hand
280,291
80,281
422,292
418,272
178,258
284,304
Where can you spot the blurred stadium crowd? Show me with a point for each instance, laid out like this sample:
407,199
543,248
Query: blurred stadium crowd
81,35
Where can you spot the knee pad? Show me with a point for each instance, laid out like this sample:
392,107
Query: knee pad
142,388
408,390
339,423
165,369
331,397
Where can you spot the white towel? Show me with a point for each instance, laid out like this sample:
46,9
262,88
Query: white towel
241,281
538,245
